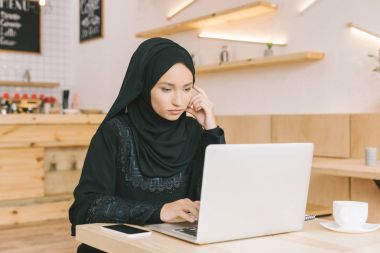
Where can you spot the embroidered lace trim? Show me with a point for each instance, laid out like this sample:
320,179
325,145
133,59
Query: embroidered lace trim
127,162
115,209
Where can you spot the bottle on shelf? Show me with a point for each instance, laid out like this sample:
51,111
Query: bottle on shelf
27,77
16,97
13,107
49,104
5,104
13,104
41,97
65,99
223,57
75,103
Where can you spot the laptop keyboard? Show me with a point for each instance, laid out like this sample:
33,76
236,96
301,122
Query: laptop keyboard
189,231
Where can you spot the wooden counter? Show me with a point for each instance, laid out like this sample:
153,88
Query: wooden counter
53,119
29,130
41,157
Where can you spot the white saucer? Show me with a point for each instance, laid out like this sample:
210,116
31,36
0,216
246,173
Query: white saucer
367,227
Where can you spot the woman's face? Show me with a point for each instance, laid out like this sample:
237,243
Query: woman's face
172,93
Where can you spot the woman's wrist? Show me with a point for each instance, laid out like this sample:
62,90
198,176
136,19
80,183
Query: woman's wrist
210,123
161,212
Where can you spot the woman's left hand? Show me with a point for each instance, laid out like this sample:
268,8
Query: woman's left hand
202,109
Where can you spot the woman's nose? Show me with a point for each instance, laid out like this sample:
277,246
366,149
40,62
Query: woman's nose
177,99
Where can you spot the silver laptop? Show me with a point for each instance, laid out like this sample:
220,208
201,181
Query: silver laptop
249,190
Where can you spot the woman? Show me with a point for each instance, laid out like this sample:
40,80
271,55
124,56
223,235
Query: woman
144,164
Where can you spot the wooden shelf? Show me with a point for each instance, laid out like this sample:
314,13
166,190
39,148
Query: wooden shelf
318,210
50,119
241,12
346,168
29,84
262,62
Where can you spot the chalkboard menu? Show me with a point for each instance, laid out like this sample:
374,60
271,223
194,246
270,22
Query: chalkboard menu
20,25
91,19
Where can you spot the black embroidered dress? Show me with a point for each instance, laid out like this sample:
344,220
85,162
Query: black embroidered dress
113,189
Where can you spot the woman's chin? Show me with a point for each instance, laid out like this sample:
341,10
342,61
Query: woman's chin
171,117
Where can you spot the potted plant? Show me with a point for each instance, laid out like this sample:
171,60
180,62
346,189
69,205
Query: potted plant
377,69
268,51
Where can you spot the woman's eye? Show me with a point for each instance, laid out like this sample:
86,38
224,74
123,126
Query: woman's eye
188,89
165,89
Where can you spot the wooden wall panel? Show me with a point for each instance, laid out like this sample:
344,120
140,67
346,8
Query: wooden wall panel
246,129
365,132
59,182
367,191
41,209
323,189
329,133
46,135
21,173
30,188
66,158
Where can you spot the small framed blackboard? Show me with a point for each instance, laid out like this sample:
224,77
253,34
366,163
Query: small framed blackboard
90,20
20,26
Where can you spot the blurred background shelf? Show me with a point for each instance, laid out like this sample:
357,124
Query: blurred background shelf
29,84
246,11
51,119
345,168
262,62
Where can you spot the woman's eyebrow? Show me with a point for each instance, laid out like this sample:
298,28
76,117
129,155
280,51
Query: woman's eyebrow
172,84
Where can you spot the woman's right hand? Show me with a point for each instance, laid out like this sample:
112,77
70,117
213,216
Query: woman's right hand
180,210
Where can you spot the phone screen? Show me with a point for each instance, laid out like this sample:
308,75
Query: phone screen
126,229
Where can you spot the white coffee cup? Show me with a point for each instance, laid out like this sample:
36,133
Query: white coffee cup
371,156
350,214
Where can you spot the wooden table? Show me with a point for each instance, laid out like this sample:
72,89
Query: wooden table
346,168
313,238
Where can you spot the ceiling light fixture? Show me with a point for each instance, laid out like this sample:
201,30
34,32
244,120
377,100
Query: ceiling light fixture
307,6
209,35
180,8
364,32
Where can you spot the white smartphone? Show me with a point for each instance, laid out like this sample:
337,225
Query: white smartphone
126,230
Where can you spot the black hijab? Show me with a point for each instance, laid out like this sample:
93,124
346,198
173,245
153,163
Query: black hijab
163,147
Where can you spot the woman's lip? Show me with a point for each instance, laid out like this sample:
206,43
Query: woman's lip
175,112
